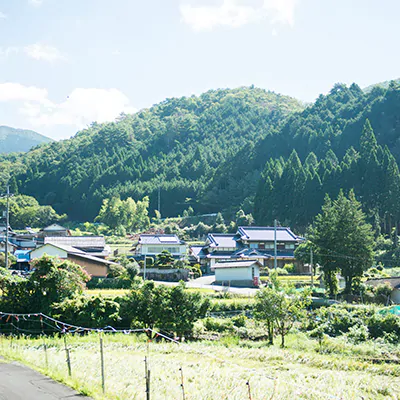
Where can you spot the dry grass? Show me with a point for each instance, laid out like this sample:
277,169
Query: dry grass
217,370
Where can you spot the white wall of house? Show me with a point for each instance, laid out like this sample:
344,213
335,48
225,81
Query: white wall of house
395,296
236,274
154,249
49,250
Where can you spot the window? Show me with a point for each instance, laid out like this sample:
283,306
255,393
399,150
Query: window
261,246
269,245
253,245
289,246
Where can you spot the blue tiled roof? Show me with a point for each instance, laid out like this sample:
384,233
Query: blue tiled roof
266,233
222,240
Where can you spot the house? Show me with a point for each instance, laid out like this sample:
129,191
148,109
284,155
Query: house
92,245
253,243
52,231
394,282
152,245
94,266
11,246
244,273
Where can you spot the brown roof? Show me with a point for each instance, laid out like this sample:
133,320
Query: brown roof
394,282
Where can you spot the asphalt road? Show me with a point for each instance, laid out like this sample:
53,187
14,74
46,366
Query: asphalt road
18,382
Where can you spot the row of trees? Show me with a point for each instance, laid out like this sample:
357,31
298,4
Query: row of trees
293,191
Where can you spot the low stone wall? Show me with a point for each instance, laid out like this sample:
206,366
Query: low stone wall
167,275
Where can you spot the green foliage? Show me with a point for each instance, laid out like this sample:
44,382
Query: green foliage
52,281
94,312
342,239
115,271
26,211
164,259
172,310
122,215
109,283
11,260
279,309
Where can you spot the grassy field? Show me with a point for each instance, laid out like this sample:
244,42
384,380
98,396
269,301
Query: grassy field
215,370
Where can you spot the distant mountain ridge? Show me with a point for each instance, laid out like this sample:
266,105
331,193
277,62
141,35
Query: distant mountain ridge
13,140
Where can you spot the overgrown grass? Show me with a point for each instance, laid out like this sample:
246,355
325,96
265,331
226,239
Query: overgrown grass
216,370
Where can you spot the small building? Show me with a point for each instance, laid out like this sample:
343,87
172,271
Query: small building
152,245
244,273
94,266
394,282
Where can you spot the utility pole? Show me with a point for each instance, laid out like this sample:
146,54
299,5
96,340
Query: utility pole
159,200
144,268
311,265
7,221
275,247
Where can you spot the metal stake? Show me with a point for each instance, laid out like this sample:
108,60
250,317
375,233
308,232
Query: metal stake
103,385
248,386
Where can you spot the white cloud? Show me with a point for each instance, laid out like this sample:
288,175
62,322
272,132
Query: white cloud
2,15
17,92
40,51
79,109
236,13
36,3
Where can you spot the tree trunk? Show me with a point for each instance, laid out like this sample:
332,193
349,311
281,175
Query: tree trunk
349,280
270,328
282,339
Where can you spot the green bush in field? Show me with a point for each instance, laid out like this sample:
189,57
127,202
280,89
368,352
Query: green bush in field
109,283
384,325
239,321
219,325
93,312
115,271
358,333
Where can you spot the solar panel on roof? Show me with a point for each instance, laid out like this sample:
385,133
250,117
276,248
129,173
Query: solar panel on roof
166,239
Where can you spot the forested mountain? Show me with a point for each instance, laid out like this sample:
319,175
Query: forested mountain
348,139
19,140
229,149
176,146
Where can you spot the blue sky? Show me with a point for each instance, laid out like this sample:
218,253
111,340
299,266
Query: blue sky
66,63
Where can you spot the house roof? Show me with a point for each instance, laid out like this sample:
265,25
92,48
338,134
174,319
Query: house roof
78,253
93,258
266,233
195,250
77,241
221,240
54,228
394,282
236,264
160,239
250,253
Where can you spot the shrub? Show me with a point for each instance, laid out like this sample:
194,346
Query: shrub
219,325
282,271
382,293
358,333
381,325
290,268
115,271
109,283
239,321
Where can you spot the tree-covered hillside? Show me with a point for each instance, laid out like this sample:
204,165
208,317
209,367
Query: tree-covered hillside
348,139
175,146
19,140
229,149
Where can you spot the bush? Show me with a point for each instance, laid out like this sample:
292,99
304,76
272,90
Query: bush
219,325
383,325
282,271
358,333
115,271
290,268
109,283
239,321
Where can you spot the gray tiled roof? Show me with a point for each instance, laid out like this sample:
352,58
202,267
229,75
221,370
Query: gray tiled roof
266,233
77,241
222,240
160,239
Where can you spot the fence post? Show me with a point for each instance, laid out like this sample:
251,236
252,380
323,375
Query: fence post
248,385
67,354
182,384
147,377
103,384
45,354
